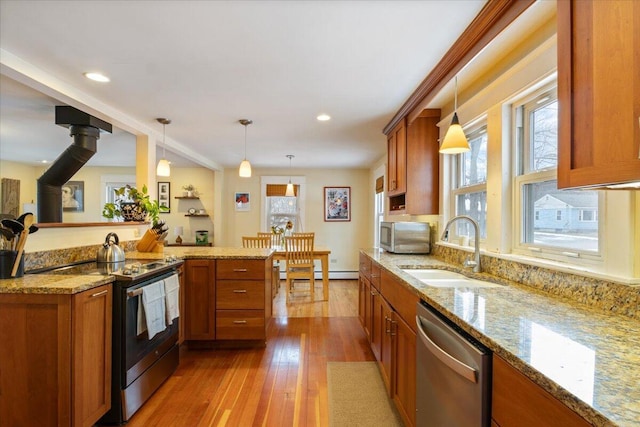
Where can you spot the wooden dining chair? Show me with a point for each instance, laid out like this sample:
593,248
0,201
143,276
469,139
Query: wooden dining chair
275,238
299,262
300,233
256,242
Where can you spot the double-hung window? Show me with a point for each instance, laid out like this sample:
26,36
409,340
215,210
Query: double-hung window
550,221
470,192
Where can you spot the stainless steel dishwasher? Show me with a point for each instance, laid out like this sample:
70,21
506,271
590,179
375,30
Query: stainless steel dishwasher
453,384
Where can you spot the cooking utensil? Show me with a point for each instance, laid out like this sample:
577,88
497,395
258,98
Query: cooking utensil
28,222
110,250
16,227
33,229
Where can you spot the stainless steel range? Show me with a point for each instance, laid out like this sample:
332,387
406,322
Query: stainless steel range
139,364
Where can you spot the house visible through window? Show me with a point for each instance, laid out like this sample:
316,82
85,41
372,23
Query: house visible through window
550,218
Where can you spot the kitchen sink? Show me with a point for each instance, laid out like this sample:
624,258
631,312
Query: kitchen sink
448,279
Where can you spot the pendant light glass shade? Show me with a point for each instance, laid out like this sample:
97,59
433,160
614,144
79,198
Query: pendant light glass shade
163,168
245,166
245,169
455,141
290,192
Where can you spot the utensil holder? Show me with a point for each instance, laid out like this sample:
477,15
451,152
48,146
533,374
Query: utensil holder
7,258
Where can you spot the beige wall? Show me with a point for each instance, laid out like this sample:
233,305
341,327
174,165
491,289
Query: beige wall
343,238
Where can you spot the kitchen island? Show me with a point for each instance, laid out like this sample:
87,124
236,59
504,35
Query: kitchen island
584,357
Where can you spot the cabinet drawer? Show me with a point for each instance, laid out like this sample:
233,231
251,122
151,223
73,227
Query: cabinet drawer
375,275
240,294
240,325
252,269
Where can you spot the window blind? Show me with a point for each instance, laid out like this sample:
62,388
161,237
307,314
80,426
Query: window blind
279,190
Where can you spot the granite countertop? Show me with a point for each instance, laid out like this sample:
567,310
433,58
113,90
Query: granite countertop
53,283
71,284
204,252
588,359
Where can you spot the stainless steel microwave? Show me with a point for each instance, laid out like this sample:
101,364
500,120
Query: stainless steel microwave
405,237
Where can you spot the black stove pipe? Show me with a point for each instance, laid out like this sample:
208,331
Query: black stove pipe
85,130
65,166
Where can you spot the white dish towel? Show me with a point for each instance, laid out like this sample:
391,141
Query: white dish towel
151,309
172,296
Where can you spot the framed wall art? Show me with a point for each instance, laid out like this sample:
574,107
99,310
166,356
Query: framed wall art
164,195
337,203
73,196
243,201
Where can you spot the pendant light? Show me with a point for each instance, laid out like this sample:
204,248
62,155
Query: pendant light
245,166
290,190
454,140
163,168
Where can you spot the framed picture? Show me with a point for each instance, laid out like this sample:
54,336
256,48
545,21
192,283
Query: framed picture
164,195
73,196
243,201
337,203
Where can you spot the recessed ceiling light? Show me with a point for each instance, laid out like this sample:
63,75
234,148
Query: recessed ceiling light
323,117
97,77
44,161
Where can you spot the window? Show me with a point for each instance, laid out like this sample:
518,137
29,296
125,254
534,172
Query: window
276,209
470,194
552,220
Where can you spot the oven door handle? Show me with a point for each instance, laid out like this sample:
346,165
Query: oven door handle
134,293
454,364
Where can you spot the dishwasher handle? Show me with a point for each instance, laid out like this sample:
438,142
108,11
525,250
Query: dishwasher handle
454,364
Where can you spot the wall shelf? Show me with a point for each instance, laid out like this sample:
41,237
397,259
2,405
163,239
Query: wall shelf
202,215
187,197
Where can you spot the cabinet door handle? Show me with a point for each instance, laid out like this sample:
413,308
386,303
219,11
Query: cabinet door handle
373,293
97,294
239,270
239,291
387,328
239,322
393,322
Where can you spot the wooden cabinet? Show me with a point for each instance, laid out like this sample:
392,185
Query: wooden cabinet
387,309
404,369
227,299
58,369
598,93
415,164
518,401
243,299
182,307
199,315
396,161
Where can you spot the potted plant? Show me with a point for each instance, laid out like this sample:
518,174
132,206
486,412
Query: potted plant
132,204
190,190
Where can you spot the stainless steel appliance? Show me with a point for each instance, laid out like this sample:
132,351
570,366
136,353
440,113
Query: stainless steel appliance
405,237
453,383
139,364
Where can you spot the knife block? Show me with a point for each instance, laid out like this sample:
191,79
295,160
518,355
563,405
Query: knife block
149,242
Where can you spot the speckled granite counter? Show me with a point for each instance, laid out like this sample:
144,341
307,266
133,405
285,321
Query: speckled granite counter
588,359
204,252
71,284
52,284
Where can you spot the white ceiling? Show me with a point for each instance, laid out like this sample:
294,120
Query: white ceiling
207,64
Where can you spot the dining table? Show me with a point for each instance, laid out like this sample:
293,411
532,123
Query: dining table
319,252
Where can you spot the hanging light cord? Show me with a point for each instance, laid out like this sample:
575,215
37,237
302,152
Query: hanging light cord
245,141
164,144
455,97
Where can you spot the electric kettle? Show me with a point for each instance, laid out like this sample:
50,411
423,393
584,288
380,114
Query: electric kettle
110,250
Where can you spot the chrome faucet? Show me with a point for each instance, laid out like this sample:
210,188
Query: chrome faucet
468,262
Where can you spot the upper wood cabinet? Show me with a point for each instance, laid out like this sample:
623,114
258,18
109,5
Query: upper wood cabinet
396,162
598,92
413,166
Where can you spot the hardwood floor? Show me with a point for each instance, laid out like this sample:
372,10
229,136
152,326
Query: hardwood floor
282,384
